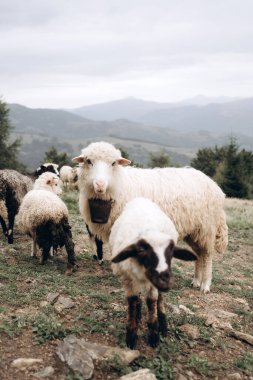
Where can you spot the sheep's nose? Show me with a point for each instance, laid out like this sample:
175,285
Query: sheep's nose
100,185
164,276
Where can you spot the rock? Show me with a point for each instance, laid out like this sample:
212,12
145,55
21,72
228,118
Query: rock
186,309
242,336
222,314
142,374
216,323
173,309
63,303
23,363
52,297
190,330
44,304
45,372
79,354
234,376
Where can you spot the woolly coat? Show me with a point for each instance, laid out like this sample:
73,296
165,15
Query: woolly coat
155,228
13,187
192,200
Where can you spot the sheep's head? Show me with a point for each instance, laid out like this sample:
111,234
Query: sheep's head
47,167
48,181
100,161
156,260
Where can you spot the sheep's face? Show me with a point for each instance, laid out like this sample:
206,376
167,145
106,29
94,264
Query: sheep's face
99,162
48,181
157,261
47,167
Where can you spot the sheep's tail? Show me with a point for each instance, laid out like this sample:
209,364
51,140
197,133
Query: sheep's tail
52,234
222,234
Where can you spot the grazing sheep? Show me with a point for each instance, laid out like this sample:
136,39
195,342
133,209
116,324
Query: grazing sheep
192,200
13,187
44,217
142,243
68,176
47,167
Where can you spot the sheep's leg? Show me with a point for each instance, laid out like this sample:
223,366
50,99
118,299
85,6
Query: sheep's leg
162,320
197,280
4,227
206,272
153,326
69,245
45,254
134,317
99,247
34,246
11,225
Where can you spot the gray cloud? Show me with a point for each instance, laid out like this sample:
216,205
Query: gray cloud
125,46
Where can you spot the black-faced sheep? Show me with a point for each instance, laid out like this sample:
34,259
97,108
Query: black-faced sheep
44,217
193,201
13,187
47,167
142,243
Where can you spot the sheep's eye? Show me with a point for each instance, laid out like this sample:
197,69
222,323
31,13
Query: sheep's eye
89,162
114,163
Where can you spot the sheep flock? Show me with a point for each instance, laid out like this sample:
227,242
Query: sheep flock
144,215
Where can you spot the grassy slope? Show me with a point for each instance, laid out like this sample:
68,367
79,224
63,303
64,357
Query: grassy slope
32,329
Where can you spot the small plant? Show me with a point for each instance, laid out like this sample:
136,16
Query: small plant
245,362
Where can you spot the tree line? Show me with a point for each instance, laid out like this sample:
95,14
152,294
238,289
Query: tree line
229,166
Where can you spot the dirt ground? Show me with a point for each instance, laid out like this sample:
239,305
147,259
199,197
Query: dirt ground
206,348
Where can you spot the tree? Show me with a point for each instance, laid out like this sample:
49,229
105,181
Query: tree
232,181
9,150
159,160
60,158
209,159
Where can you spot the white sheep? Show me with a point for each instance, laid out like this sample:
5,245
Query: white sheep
193,201
44,217
142,243
69,176
13,187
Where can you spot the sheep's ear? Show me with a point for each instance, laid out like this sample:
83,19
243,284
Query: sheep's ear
129,251
123,161
79,159
184,254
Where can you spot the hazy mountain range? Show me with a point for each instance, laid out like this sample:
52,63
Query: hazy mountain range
140,126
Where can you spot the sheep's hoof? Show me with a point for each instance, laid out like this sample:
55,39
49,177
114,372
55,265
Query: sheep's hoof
101,262
153,339
71,269
131,339
95,257
195,283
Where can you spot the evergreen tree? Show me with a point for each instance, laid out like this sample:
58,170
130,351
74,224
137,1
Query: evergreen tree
60,158
159,160
232,182
9,150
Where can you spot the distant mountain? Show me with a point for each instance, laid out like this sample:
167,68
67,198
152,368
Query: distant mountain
216,115
179,131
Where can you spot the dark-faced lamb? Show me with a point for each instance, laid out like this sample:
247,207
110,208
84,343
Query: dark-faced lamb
192,200
47,167
44,217
142,243
13,187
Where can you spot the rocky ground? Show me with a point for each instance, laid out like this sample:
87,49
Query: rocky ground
47,317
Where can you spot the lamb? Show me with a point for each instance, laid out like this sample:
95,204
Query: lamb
69,176
141,253
193,201
47,167
13,187
44,217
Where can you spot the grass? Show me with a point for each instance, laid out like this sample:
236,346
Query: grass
100,311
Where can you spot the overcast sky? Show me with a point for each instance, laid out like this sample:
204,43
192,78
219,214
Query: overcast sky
62,53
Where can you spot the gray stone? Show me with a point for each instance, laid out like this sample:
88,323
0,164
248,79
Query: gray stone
242,336
142,374
173,309
222,314
45,372
234,376
63,303
79,354
179,376
23,363
186,310
52,297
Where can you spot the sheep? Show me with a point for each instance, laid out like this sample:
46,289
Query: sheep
44,217
13,187
142,243
193,201
47,167
68,176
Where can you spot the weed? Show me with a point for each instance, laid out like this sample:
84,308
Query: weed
245,362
